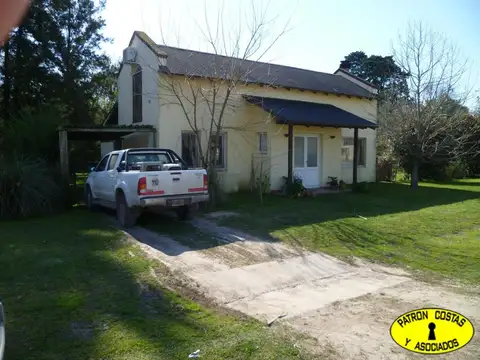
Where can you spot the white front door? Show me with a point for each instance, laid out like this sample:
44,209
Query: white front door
306,159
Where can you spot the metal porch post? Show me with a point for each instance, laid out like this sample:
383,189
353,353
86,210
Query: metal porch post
290,154
355,156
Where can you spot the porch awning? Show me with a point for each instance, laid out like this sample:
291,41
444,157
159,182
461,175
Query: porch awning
307,113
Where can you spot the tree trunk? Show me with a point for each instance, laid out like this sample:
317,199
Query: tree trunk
414,177
213,188
7,81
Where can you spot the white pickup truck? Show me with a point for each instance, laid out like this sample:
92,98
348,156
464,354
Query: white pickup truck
133,180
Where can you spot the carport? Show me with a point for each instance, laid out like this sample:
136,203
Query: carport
102,133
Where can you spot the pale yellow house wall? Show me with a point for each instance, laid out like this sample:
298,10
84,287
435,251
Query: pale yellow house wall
242,122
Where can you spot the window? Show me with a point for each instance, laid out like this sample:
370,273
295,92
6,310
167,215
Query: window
347,151
190,149
134,159
112,162
102,164
262,142
137,94
221,153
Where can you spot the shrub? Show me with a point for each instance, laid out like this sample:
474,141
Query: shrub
27,188
296,188
455,171
333,181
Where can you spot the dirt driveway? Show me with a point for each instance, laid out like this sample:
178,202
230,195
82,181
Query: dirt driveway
345,307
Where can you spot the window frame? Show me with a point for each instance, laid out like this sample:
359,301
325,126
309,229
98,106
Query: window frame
263,134
223,137
110,162
137,98
106,163
196,161
349,163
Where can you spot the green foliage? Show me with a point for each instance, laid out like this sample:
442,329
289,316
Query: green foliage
296,188
333,181
27,188
262,183
55,57
456,170
32,134
381,71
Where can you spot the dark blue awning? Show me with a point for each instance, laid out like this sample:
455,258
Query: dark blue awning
307,113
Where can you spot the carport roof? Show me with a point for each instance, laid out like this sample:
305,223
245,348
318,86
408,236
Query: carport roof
104,132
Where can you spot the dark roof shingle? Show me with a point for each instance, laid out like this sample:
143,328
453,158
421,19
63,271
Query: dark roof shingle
201,64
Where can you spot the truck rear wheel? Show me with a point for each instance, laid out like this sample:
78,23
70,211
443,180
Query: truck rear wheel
89,202
126,217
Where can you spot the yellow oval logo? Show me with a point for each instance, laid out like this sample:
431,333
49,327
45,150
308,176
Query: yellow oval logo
432,331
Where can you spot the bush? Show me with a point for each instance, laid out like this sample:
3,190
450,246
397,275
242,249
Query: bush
27,188
455,171
296,188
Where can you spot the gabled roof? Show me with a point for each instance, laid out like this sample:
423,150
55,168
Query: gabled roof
355,77
201,64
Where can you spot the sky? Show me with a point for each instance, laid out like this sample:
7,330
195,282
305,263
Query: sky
319,32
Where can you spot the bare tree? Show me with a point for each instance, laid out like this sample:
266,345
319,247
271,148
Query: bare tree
208,91
425,126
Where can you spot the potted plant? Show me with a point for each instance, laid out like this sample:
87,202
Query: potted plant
333,182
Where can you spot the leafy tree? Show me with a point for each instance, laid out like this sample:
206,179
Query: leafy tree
104,92
381,71
76,31
54,57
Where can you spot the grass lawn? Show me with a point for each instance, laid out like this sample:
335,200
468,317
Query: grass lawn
433,228
73,289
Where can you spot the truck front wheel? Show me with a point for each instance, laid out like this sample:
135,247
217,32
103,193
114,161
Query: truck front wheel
126,216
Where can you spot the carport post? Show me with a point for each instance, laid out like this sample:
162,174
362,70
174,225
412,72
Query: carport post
63,146
151,139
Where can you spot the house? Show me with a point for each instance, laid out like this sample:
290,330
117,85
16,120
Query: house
284,121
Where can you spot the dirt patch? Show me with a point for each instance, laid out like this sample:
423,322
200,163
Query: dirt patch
359,328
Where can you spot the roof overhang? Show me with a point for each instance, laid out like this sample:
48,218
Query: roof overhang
309,114
104,133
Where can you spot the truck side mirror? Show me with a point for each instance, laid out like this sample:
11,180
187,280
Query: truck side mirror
121,167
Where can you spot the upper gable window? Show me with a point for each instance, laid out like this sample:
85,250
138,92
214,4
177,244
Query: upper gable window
137,94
